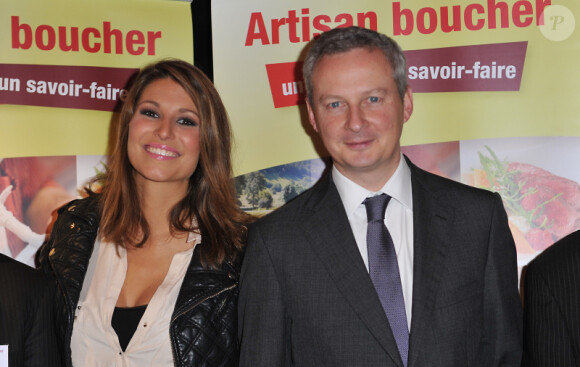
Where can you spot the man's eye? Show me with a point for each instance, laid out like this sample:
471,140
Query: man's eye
187,122
373,99
334,104
149,113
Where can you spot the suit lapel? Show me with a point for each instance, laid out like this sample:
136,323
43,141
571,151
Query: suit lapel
431,224
329,232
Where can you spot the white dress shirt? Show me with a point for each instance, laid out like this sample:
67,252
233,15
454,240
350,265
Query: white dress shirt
398,219
94,341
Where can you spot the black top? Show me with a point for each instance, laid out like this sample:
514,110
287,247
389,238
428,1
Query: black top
125,321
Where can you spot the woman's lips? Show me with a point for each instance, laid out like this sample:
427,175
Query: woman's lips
161,152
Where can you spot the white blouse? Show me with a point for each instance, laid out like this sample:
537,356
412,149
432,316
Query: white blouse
94,341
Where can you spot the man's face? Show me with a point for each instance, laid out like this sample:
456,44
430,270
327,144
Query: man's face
359,115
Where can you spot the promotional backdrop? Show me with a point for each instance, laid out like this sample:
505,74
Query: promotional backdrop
495,99
495,95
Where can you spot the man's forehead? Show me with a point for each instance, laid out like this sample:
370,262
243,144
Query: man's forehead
324,59
336,64
338,53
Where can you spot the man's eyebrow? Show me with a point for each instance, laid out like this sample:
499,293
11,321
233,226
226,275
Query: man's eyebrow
367,92
329,96
377,90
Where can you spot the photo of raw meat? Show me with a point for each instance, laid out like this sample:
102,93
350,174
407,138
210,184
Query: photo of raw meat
31,188
542,199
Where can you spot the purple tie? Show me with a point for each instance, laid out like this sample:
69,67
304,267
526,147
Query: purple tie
384,271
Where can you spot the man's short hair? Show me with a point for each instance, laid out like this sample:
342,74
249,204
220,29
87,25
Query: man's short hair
341,40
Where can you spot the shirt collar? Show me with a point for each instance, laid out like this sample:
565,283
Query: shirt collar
194,236
398,187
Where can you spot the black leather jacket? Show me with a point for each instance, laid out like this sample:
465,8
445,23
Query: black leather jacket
203,326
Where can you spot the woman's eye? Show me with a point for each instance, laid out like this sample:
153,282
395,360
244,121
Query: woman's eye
187,122
149,113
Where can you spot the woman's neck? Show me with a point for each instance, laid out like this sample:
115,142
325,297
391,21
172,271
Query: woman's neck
157,200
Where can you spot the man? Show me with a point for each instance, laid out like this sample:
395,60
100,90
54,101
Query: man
313,288
552,306
27,336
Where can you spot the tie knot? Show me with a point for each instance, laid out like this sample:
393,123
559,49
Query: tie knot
376,207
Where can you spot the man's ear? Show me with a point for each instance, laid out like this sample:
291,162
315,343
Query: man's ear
407,104
311,116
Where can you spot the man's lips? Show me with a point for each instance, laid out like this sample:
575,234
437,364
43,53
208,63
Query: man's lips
359,144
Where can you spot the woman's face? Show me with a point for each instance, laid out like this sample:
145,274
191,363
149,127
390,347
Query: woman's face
163,144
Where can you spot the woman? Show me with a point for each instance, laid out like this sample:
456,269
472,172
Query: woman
147,270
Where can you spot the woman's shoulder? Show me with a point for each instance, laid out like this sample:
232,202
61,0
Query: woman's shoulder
87,209
78,217
82,205
73,229
226,266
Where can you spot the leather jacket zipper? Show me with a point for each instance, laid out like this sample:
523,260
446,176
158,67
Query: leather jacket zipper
189,309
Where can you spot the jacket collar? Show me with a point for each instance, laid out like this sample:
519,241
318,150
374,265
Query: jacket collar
76,232
327,229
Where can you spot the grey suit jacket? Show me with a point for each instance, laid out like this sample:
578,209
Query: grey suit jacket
306,298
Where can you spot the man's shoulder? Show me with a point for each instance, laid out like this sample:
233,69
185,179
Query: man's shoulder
21,280
564,254
302,205
446,187
295,207
17,269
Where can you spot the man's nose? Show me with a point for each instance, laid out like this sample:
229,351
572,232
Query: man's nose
356,118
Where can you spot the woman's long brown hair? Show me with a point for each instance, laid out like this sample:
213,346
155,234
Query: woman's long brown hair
210,197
